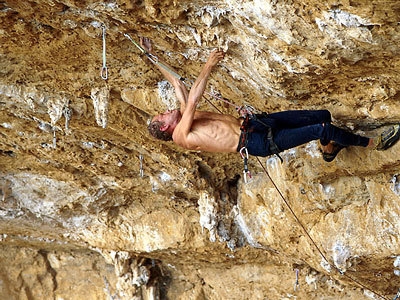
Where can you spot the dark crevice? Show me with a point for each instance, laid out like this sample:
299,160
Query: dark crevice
49,268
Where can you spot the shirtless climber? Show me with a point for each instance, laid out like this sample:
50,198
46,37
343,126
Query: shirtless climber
262,134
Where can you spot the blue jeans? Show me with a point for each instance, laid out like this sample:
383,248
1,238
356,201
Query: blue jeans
297,127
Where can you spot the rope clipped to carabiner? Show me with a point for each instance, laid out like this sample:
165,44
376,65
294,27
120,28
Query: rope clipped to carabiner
104,71
247,110
154,59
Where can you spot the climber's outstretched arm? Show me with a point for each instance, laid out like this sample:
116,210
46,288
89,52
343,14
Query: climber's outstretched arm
184,134
197,90
180,89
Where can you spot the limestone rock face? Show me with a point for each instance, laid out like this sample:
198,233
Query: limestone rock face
92,207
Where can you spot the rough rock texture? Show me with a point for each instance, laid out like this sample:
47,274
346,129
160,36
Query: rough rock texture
93,208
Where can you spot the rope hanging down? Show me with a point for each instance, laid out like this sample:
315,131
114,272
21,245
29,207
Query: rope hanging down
154,59
309,236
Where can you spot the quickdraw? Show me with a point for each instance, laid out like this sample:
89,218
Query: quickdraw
104,71
154,59
296,283
141,165
245,155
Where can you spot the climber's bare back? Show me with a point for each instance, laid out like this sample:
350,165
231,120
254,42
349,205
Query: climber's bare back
211,132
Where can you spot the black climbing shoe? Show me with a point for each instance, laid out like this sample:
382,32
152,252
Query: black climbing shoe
328,157
387,138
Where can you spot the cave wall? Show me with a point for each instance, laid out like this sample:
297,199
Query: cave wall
89,200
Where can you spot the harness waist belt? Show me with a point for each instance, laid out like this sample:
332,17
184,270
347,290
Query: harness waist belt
245,128
242,140
243,133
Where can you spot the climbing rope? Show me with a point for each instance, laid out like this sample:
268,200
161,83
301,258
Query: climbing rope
309,236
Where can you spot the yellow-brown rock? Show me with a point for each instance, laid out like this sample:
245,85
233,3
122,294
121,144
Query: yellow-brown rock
92,207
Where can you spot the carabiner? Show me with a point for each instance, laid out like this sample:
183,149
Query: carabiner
245,157
104,73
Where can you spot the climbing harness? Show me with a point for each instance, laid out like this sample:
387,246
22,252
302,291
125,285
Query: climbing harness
104,70
247,115
273,147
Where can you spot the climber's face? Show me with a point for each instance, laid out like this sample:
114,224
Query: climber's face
170,118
